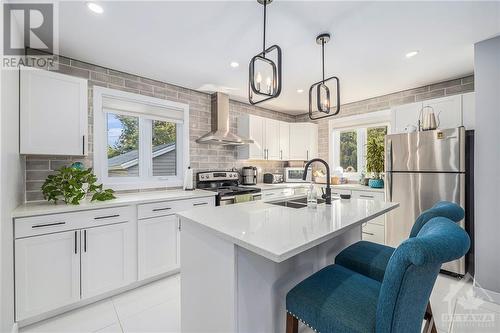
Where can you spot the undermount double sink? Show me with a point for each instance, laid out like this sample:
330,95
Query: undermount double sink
300,202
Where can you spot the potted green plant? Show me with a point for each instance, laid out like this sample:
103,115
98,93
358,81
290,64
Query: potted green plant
72,184
375,160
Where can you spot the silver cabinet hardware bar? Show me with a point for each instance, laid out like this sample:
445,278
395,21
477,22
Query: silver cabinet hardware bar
200,203
160,209
47,225
106,217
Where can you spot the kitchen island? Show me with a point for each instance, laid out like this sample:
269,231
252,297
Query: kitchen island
239,261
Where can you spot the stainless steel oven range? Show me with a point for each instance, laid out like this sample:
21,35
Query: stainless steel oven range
227,186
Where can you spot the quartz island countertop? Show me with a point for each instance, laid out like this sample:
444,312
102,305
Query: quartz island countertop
278,233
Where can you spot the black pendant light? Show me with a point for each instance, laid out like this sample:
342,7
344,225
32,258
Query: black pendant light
321,89
264,81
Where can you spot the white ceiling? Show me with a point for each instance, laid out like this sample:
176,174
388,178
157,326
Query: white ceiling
191,44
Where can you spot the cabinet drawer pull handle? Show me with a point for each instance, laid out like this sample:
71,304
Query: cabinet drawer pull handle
106,217
200,203
76,244
160,209
84,240
366,196
369,233
47,225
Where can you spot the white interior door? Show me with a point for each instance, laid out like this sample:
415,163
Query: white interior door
47,273
107,258
157,244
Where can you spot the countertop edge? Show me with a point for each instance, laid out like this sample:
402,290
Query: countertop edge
125,200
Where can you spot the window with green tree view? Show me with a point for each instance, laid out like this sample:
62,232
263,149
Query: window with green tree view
350,148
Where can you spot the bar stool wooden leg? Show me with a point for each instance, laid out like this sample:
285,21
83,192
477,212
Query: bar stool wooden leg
430,325
292,324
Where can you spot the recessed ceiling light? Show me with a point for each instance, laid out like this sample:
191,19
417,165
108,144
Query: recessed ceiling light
300,91
411,54
95,7
234,64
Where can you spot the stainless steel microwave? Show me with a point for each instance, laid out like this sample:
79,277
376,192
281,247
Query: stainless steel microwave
294,175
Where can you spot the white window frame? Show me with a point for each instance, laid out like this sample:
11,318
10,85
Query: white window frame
145,179
359,123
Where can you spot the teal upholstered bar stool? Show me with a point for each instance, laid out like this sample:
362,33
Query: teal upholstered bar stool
371,259
337,299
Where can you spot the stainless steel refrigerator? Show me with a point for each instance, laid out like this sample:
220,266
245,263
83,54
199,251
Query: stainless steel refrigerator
421,169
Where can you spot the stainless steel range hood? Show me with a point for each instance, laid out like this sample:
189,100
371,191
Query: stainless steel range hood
220,133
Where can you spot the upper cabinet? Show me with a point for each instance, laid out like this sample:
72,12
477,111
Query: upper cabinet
450,111
303,141
271,138
277,140
53,113
469,110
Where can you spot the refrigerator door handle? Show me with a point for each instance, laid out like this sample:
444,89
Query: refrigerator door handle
389,170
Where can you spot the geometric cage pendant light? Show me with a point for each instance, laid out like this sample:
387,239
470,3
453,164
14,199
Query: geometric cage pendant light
320,90
264,70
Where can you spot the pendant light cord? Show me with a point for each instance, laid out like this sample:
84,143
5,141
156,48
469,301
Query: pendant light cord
323,58
264,37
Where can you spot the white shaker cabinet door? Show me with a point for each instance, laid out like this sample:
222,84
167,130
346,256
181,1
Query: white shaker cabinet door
448,110
284,141
53,113
108,257
47,273
272,134
405,115
299,141
157,245
469,110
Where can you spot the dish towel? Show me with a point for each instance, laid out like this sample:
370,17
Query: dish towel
243,198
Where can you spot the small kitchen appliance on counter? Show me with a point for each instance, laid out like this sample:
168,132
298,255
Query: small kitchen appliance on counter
294,175
273,178
226,184
249,175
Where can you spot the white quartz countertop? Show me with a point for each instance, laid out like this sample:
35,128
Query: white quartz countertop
279,233
350,187
44,207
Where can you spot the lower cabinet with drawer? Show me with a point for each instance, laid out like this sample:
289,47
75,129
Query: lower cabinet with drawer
271,195
159,235
374,230
61,266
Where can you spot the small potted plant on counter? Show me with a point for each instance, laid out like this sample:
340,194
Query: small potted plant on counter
375,161
72,184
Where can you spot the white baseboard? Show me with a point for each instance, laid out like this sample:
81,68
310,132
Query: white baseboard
15,328
485,294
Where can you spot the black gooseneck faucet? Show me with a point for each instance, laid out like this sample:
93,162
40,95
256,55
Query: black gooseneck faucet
328,195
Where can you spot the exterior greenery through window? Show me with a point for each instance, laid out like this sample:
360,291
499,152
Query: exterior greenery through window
351,147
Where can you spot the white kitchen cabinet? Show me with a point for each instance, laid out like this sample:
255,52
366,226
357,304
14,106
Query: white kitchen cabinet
448,110
373,230
272,139
47,271
252,127
107,258
267,136
158,245
405,115
53,113
469,110
284,141
303,141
